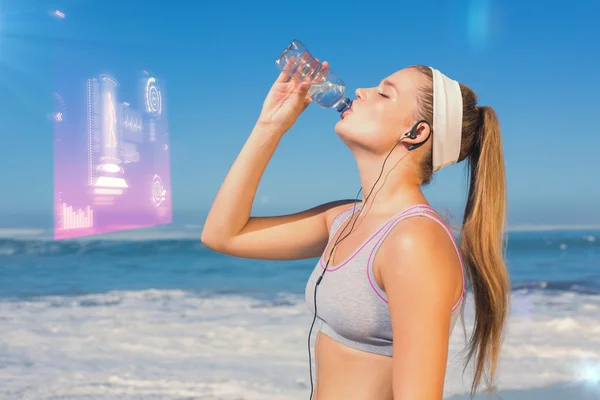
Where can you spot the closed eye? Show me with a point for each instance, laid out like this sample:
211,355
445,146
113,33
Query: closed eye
383,95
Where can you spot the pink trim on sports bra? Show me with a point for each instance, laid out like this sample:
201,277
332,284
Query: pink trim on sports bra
333,268
375,286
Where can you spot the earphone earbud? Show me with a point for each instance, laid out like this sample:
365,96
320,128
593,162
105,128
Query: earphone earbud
413,135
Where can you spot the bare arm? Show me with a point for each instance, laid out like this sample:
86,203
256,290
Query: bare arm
419,273
229,228
287,237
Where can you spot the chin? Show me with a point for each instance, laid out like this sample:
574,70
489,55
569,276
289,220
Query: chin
344,130
362,137
352,135
354,127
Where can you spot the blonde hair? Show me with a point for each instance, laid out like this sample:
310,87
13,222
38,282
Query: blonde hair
484,222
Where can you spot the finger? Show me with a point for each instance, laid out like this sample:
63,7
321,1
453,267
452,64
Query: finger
307,102
300,89
324,66
285,75
304,87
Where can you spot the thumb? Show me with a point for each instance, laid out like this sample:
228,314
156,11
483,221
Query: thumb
304,87
307,101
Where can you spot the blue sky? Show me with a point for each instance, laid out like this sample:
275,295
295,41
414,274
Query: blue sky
535,62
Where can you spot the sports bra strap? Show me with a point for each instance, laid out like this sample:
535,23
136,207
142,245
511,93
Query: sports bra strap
341,218
424,211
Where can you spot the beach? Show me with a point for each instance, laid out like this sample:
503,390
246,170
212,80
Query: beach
167,318
566,391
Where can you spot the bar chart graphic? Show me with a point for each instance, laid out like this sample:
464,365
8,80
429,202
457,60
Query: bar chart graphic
76,219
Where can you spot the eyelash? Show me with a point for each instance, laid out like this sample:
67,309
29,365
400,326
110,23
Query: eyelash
383,95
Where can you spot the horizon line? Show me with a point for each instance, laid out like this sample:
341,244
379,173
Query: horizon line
186,231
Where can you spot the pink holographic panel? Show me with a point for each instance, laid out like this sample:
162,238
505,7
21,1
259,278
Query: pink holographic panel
111,155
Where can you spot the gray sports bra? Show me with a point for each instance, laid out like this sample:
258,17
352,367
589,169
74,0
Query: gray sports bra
351,307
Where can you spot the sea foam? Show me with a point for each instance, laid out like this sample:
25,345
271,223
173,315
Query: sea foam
157,344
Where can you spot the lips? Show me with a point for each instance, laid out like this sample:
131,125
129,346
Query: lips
348,111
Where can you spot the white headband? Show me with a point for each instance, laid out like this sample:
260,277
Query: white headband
447,120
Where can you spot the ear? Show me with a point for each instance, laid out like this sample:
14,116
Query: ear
418,135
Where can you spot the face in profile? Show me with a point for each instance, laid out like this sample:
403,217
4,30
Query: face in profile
381,115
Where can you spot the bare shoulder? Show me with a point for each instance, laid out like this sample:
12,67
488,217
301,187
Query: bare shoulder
421,233
419,251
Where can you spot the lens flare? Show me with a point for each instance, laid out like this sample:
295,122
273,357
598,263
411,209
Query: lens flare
479,22
587,372
590,374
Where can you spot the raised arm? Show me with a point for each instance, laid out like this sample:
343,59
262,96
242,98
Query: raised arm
229,228
287,237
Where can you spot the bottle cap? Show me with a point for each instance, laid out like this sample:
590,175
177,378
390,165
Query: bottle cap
344,105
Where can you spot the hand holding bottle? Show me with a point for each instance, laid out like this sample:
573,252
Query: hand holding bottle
286,100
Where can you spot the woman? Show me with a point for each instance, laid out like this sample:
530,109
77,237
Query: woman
392,272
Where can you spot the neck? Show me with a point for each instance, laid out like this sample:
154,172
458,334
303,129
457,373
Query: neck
397,188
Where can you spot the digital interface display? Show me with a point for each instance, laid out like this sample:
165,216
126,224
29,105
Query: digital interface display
111,155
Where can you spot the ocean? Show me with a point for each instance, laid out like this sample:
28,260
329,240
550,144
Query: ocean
154,314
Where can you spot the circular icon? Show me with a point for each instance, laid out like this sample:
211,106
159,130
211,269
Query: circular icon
153,97
158,191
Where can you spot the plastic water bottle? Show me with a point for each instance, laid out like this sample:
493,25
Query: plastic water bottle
327,89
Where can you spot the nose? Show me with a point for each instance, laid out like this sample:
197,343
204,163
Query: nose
359,94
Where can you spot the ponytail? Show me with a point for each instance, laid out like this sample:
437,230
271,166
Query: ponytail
483,232
483,247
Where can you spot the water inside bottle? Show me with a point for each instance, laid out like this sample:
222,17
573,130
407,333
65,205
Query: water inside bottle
327,94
